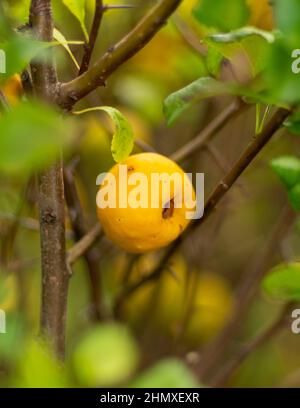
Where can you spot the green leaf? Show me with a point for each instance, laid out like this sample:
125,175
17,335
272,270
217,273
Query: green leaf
294,197
12,343
58,36
222,14
106,356
176,103
19,51
169,373
287,15
38,368
213,61
250,42
123,138
241,34
32,136
283,282
282,83
288,170
77,8
293,123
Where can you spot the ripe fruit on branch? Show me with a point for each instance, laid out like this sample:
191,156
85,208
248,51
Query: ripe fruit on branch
143,202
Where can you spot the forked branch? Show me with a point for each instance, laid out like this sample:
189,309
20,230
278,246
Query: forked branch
79,87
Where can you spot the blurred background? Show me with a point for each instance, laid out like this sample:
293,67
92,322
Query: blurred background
160,332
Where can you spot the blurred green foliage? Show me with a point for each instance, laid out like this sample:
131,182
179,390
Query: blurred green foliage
32,136
169,373
106,356
283,282
221,16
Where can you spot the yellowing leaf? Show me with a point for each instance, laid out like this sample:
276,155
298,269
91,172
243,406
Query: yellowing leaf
77,8
59,37
123,138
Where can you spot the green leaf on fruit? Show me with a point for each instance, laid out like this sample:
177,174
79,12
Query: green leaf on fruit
123,138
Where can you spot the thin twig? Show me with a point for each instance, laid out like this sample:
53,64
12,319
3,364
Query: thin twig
29,223
25,222
23,264
254,147
4,105
190,37
108,7
82,246
144,146
91,255
89,47
245,293
217,157
196,144
73,91
227,371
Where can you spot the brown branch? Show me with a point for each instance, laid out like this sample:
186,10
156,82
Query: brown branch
253,149
108,7
55,277
217,157
245,293
89,48
197,143
91,255
78,88
230,368
4,105
189,36
145,147
28,223
25,222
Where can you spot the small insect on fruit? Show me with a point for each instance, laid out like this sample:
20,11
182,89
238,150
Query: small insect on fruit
143,202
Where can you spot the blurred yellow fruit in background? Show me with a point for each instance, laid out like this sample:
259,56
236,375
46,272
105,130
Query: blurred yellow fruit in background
210,309
159,302
261,14
8,294
137,229
165,304
12,89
